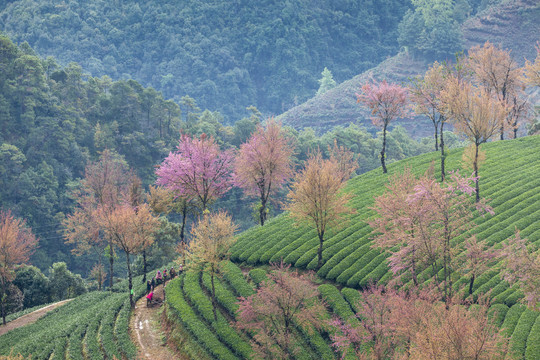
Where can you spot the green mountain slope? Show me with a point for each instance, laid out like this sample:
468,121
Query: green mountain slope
226,54
512,24
509,178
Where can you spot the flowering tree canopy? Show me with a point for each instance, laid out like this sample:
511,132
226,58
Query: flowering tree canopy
476,114
16,244
387,102
522,266
198,169
264,163
317,197
284,302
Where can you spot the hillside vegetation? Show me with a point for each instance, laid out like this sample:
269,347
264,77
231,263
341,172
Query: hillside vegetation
511,24
226,54
92,326
95,325
509,178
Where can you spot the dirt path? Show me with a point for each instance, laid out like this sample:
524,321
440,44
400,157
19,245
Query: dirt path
145,330
30,318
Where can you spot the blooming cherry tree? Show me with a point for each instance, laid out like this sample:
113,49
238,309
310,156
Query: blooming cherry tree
264,164
198,170
387,102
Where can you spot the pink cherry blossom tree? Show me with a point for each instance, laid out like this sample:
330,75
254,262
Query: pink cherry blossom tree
264,164
387,102
521,264
418,219
286,301
197,170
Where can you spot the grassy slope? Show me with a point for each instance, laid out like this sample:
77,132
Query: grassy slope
512,24
509,178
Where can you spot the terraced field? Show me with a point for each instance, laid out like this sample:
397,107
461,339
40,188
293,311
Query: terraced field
189,305
92,326
509,177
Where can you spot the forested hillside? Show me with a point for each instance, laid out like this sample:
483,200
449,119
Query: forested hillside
54,120
227,54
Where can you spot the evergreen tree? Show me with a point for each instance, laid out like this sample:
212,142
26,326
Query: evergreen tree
327,81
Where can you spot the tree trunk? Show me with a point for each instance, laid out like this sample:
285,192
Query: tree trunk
100,274
144,265
515,132
475,168
184,216
471,285
111,263
413,267
2,303
213,293
443,155
130,284
436,136
502,131
383,162
319,252
262,211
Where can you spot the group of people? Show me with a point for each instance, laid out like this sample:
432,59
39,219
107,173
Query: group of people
160,278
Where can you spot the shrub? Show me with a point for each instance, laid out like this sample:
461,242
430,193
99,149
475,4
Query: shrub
512,318
533,342
499,312
257,275
518,342
188,317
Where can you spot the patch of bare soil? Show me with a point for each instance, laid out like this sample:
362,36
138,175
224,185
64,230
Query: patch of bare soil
30,318
145,329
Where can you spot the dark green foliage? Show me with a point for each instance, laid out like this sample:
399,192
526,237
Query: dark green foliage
63,283
229,54
53,120
433,30
33,284
258,276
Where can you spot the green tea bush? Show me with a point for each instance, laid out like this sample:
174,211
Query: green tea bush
258,276
233,275
518,342
533,342
190,320
512,318
339,306
498,313
203,306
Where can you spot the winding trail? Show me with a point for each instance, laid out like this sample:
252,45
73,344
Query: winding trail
30,318
146,332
